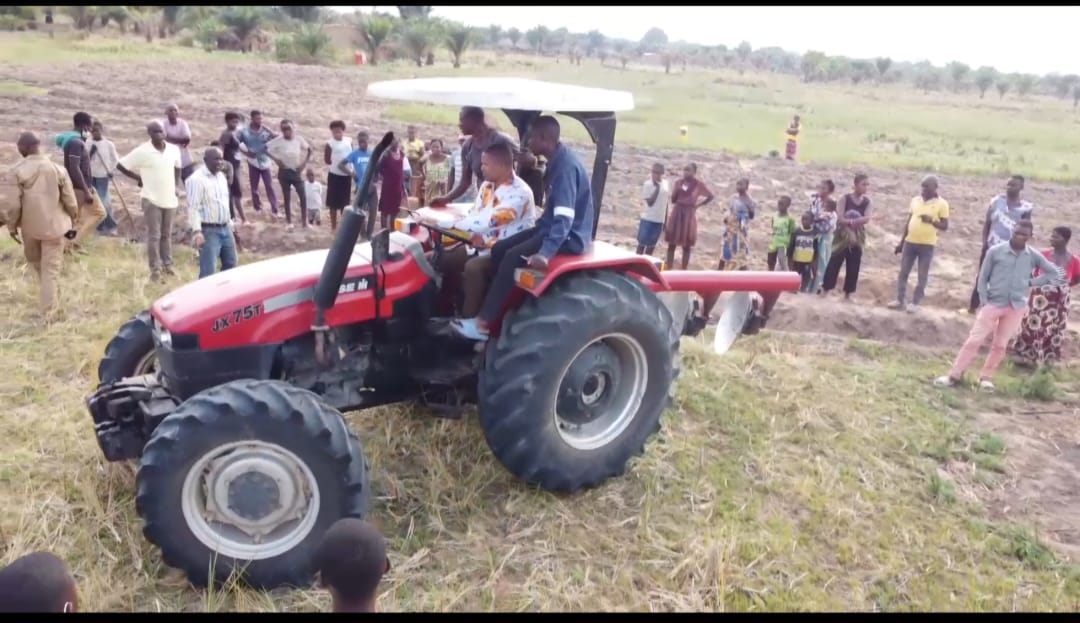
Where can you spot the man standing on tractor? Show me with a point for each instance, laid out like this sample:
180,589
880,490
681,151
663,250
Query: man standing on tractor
472,124
564,227
208,215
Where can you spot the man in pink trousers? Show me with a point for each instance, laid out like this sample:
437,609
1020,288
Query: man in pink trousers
1004,281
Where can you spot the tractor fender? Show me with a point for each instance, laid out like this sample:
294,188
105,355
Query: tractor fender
535,282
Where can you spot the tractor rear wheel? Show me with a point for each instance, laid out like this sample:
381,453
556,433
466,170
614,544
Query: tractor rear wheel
577,380
130,352
246,477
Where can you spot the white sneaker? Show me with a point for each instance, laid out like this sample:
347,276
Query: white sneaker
912,308
986,385
944,381
895,305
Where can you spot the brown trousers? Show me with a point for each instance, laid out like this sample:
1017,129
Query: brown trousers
475,274
46,257
90,215
158,235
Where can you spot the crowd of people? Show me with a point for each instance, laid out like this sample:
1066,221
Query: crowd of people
1020,299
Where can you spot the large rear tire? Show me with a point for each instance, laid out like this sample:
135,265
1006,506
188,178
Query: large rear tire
246,477
577,380
130,352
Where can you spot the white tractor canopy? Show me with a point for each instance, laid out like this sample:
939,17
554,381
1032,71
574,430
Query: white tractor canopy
504,93
523,100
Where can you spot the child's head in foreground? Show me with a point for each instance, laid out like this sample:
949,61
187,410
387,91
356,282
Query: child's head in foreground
351,561
38,582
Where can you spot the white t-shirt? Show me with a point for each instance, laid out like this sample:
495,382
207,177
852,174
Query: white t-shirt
313,191
338,152
158,172
655,213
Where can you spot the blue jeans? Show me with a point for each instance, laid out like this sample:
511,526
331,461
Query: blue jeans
218,243
824,255
101,185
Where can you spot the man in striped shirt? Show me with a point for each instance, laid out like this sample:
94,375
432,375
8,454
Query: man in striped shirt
208,215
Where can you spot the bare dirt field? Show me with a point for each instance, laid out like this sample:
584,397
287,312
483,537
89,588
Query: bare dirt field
812,469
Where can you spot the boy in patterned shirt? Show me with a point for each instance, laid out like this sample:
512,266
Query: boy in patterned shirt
504,207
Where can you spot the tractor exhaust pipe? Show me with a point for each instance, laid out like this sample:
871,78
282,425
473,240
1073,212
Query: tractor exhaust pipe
337,260
352,224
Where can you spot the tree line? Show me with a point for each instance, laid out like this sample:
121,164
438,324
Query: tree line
297,33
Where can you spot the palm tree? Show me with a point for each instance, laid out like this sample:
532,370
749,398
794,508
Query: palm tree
374,31
82,16
303,13
458,38
244,22
514,35
417,39
311,43
412,12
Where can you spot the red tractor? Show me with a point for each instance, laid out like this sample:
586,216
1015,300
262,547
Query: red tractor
229,391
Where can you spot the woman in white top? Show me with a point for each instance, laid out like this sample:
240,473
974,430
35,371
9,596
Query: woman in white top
339,179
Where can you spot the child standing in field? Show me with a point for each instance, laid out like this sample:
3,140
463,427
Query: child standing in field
736,249
803,251
792,145
103,159
351,561
314,191
823,208
783,226
655,192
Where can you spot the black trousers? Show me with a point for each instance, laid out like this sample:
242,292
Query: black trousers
508,255
975,289
290,180
853,257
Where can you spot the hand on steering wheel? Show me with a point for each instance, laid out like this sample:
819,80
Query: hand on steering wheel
435,229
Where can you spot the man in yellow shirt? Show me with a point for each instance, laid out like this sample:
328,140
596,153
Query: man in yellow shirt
929,215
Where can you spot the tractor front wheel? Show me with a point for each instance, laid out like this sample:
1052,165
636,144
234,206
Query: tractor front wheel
246,477
575,384
130,352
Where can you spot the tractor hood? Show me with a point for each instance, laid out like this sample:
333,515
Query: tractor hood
273,300
193,308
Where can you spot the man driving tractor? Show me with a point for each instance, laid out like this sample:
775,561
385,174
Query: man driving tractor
564,227
504,207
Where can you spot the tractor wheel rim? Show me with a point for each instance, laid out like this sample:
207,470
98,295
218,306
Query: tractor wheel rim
147,364
619,390
250,500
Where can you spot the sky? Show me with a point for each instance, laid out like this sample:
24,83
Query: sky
1031,39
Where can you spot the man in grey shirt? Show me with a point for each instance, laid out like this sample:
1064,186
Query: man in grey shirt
472,124
1004,281
1004,212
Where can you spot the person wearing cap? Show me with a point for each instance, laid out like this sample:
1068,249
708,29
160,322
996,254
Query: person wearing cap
928,215
44,215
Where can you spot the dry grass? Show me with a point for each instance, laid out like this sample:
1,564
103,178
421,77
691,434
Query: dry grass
798,473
